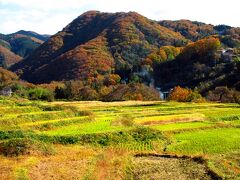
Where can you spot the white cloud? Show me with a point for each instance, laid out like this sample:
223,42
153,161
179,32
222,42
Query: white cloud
47,5
50,16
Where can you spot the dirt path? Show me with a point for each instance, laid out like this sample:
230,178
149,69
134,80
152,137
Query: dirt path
154,168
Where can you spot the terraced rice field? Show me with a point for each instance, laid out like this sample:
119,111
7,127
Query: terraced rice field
118,140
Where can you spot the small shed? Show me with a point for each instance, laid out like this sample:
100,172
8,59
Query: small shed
163,94
7,91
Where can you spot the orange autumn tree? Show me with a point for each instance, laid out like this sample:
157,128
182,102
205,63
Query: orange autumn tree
185,95
164,53
202,50
7,76
179,94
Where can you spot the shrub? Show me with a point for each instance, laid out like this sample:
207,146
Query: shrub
88,94
51,108
184,95
105,90
16,147
31,91
145,134
194,96
179,94
236,97
11,134
125,120
7,76
40,94
20,90
111,79
52,86
68,90
133,91
62,93
75,90
224,95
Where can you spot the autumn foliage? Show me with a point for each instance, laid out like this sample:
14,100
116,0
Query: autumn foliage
14,47
194,31
7,76
98,53
8,58
224,94
194,63
136,91
191,30
164,53
184,95
97,44
179,94
202,50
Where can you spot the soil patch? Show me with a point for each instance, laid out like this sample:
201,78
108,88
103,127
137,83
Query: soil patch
169,167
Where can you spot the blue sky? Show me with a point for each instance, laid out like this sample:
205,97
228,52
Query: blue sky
50,16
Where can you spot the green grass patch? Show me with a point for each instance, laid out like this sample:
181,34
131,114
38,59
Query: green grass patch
86,128
182,126
211,141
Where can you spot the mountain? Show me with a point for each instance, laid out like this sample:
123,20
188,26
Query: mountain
98,49
16,46
95,44
193,30
8,58
42,37
7,76
203,64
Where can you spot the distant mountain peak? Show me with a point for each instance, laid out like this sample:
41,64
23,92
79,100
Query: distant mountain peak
25,32
114,41
96,45
32,34
15,46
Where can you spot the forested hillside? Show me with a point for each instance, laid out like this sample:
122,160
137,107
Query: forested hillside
14,47
98,44
100,50
194,31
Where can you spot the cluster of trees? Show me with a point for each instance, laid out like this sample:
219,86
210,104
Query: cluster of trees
92,88
198,65
190,29
164,53
133,91
97,53
14,47
194,31
7,58
105,88
202,51
132,39
7,76
23,45
185,95
22,88
75,90
108,89
98,44
224,94
219,94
